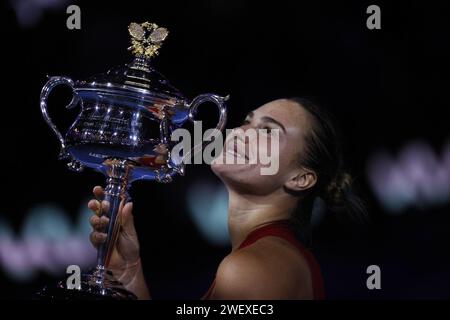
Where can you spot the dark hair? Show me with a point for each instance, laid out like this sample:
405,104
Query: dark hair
323,155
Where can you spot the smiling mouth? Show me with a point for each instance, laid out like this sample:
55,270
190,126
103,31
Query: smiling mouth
235,152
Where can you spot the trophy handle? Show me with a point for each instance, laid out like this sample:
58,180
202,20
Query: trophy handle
221,106
51,83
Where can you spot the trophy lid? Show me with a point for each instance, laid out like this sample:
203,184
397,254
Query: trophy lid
138,77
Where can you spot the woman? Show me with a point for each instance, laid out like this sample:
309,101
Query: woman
266,261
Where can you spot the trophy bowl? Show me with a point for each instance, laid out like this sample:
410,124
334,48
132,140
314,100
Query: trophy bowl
123,130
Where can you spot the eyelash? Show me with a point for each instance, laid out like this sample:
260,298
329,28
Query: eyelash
269,130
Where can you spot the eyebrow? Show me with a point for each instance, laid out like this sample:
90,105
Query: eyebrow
268,119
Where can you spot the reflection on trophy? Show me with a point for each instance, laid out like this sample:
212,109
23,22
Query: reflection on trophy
123,130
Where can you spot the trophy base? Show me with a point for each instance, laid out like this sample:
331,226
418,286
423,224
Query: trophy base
90,289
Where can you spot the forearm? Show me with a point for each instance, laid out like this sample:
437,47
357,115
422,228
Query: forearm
138,285
134,281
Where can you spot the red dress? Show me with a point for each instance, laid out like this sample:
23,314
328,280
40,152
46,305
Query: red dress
283,230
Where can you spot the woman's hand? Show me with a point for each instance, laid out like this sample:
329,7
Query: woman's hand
125,260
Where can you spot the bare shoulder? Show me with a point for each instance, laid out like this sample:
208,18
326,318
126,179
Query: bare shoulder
271,268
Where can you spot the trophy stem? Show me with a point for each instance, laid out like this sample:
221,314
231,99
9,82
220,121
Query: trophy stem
101,284
116,193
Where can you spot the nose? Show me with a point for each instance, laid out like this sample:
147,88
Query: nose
244,126
239,133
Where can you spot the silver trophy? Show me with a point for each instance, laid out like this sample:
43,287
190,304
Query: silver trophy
123,130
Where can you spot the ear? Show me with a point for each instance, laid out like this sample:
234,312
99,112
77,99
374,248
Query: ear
302,180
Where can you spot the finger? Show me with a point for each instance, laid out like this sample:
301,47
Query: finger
97,238
105,207
94,205
97,208
98,192
94,221
99,223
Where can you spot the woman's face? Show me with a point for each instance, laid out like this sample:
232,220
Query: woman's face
293,123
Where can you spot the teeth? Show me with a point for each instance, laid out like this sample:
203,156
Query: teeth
234,153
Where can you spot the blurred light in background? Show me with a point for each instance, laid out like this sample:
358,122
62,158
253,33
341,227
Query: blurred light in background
48,242
417,177
208,207
30,12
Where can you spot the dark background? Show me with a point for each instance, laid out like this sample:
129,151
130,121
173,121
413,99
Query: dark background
386,87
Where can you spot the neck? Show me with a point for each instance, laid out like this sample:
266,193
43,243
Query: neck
249,212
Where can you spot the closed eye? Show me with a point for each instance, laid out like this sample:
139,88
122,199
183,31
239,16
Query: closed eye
267,130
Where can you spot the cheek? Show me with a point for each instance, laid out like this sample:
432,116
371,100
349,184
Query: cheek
287,155
251,173
261,148
288,160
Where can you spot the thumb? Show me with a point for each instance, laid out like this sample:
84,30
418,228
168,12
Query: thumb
128,220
